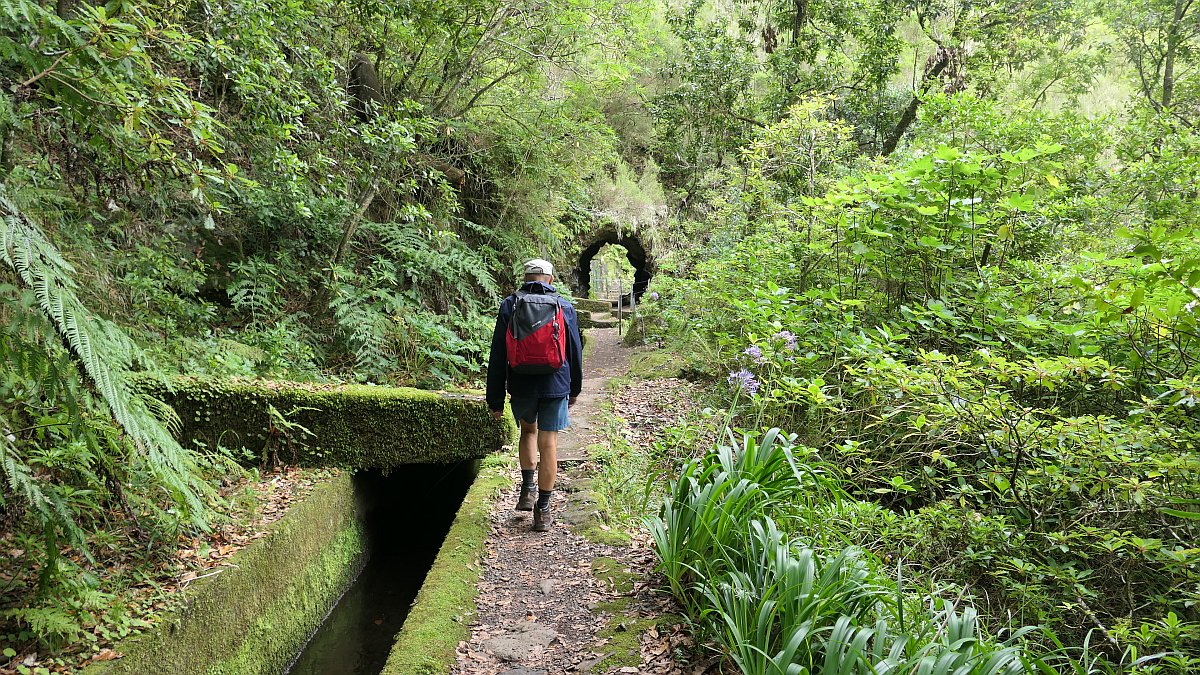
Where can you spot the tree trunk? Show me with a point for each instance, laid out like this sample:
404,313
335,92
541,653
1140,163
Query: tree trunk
799,19
910,112
455,175
5,151
352,224
1168,81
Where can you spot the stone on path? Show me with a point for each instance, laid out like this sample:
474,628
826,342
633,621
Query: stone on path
588,665
529,638
524,671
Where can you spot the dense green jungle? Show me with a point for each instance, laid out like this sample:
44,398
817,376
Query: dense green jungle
950,247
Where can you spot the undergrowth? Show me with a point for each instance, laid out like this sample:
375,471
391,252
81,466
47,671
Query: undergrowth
744,544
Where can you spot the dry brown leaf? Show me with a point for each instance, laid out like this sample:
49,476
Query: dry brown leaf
107,655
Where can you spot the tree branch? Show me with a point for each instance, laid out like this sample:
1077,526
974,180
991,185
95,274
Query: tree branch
352,224
31,81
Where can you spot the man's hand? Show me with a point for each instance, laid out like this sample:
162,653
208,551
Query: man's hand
571,401
497,414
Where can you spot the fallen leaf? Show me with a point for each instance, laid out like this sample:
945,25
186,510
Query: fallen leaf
107,655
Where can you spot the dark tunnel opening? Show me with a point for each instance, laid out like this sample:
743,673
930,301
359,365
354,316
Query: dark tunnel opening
406,515
635,252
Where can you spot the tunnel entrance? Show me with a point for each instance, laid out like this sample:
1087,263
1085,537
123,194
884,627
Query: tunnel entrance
610,241
611,274
406,515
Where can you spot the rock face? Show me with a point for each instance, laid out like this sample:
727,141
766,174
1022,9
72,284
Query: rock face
518,645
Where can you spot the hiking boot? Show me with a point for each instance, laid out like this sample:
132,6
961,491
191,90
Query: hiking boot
542,520
527,498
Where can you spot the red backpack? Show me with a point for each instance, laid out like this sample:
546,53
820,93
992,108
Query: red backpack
537,334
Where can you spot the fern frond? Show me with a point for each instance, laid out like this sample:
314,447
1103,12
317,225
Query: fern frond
104,354
48,506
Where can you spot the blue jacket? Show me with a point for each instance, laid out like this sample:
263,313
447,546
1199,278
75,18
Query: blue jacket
566,381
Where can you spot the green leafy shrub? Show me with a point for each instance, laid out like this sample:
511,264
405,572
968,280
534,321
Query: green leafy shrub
776,606
76,432
993,342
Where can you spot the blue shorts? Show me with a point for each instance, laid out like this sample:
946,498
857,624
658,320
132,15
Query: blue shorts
550,414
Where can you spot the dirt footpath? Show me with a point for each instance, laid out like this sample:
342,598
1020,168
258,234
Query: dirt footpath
557,602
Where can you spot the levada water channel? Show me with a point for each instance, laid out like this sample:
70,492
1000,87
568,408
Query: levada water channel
407,514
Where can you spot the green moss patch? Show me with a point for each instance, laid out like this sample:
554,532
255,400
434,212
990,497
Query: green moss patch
442,613
624,629
614,573
656,364
355,426
592,531
589,346
252,617
624,635
589,305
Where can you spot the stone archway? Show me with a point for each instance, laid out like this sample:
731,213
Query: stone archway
642,261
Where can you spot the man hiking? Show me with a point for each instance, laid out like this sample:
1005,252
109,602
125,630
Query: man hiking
538,353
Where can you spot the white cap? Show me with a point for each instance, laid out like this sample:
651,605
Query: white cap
539,266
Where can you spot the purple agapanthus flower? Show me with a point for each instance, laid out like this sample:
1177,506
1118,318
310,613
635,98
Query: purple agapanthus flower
755,354
744,380
653,295
789,339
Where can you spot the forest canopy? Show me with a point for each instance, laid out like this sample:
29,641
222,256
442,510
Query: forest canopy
953,246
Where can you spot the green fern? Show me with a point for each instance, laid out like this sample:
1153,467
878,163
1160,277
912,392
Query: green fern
22,484
105,355
362,319
56,625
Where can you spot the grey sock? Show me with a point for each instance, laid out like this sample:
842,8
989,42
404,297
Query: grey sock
527,478
543,502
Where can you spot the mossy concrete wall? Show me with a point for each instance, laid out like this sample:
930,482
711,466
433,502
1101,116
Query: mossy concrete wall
443,610
353,426
253,617
589,305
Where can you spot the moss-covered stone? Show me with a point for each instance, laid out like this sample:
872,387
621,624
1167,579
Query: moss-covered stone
659,363
356,426
443,610
588,321
589,305
253,617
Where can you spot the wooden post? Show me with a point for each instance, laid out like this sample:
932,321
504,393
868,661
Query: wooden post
620,302
633,315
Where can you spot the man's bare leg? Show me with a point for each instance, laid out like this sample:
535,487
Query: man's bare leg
547,442
527,455
529,445
547,445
